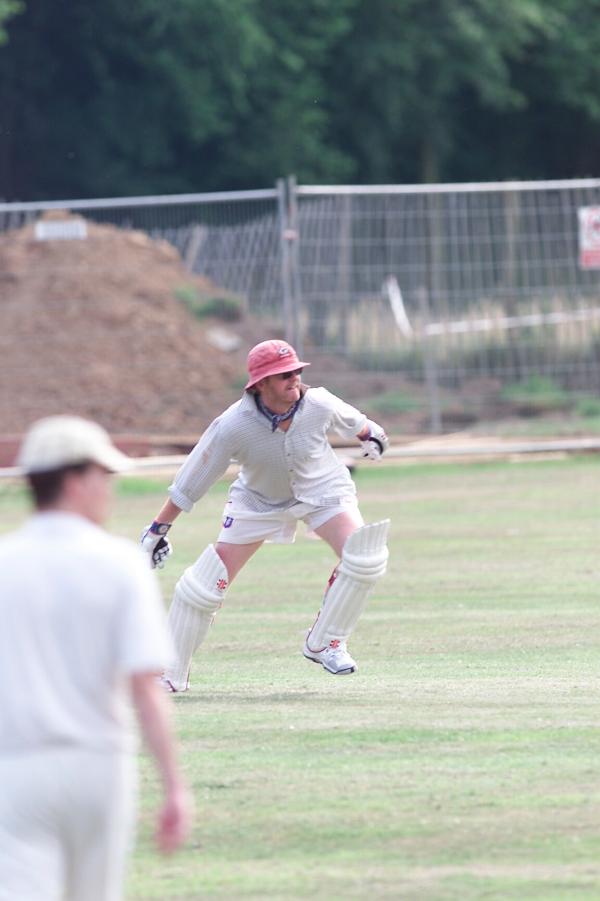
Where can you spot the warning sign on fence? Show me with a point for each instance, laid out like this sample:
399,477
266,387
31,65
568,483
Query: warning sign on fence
589,237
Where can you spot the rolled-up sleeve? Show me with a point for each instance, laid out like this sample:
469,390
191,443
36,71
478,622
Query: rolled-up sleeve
206,463
346,420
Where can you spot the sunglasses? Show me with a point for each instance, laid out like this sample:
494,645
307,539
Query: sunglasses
285,376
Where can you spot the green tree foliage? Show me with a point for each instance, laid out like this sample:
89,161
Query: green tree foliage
119,97
8,8
151,97
408,68
286,124
112,98
562,117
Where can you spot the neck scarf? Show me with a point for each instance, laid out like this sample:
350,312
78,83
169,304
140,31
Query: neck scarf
276,418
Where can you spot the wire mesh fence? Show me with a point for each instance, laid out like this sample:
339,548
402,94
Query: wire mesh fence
232,238
101,300
448,285
437,285
491,271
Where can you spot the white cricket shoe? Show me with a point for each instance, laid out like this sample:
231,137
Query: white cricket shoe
172,687
334,658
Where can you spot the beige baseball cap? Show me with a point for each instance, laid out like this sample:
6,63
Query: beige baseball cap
58,441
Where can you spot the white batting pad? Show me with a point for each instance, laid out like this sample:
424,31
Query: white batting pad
204,583
364,560
198,595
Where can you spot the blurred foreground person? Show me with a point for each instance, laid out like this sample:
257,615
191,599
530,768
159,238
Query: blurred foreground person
82,631
277,432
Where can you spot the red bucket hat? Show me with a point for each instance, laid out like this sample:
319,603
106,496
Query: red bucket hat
271,358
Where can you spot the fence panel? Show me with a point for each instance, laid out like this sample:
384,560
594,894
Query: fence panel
488,273
439,285
96,324
233,238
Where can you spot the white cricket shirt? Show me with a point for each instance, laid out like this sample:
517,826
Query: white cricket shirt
80,611
277,468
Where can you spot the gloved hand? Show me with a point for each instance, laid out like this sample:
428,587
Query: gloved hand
376,443
156,544
371,450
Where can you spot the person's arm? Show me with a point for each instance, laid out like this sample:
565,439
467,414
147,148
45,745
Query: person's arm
152,708
206,463
347,421
168,512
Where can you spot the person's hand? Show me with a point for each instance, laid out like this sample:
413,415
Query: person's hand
175,820
375,443
155,543
371,450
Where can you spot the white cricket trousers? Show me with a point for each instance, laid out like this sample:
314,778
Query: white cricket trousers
66,824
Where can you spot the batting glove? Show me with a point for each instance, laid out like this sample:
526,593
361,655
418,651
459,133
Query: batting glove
377,442
156,544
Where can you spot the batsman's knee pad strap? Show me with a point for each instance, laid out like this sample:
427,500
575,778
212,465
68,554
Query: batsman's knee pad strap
364,559
364,569
204,584
365,554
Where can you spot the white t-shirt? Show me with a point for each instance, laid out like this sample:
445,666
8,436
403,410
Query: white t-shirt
277,468
80,611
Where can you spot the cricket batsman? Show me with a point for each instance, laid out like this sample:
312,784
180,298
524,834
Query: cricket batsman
277,432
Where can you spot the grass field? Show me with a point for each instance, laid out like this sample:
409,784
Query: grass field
461,762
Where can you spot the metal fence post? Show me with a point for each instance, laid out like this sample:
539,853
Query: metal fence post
294,238
430,365
285,259
290,264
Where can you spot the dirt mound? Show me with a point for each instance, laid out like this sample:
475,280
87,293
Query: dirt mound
92,325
